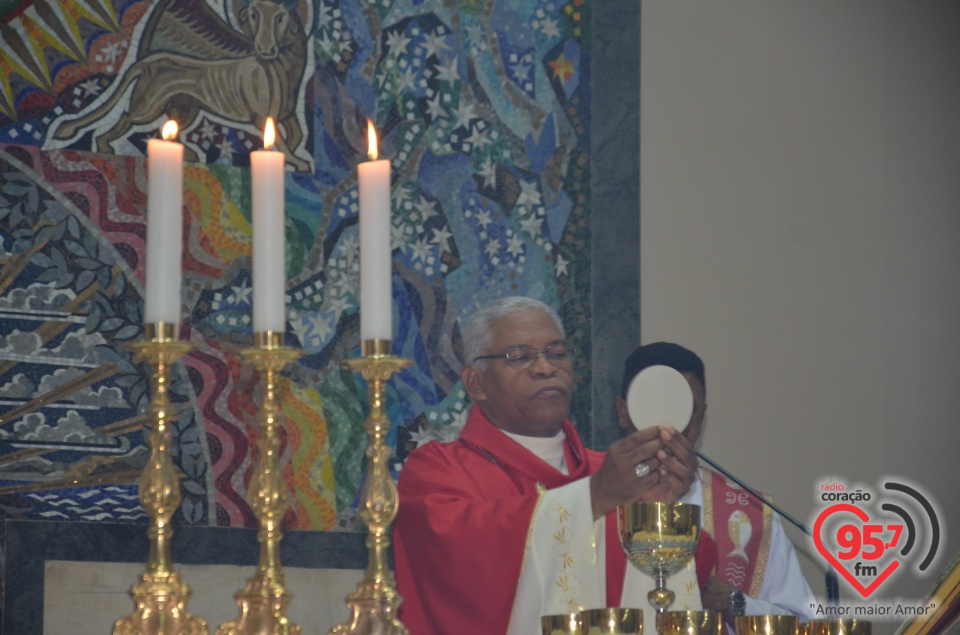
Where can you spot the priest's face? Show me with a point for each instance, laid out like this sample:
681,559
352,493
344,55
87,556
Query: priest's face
529,397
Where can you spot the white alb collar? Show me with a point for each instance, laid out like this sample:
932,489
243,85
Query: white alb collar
550,449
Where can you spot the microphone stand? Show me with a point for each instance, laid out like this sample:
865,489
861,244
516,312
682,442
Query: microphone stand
833,584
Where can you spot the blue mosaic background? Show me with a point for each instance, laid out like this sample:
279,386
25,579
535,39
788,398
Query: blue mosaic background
483,110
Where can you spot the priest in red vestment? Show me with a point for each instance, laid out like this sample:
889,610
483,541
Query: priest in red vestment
516,518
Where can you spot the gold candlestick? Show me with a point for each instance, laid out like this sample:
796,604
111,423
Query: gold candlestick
374,604
264,601
160,596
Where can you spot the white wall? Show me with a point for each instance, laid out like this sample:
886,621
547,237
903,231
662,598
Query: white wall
800,229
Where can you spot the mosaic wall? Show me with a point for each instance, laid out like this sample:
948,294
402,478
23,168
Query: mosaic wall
483,109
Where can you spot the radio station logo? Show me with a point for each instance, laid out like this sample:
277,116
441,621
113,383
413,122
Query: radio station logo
868,536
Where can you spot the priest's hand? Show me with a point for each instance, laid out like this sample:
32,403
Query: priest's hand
630,470
678,468
716,596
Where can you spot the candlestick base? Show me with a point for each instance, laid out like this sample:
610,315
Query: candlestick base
263,608
374,604
161,600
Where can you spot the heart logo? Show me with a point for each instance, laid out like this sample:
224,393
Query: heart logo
864,517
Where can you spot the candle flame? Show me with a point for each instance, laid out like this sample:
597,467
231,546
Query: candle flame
371,141
169,130
269,134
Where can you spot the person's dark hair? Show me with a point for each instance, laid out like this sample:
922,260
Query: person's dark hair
680,359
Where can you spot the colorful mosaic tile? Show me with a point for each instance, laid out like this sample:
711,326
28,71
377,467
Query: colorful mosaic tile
483,110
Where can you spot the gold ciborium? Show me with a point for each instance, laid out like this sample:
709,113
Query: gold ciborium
840,627
767,625
659,539
611,622
564,624
691,623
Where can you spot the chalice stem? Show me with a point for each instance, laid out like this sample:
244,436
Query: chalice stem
661,597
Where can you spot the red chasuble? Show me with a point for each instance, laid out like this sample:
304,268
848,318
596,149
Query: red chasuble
461,530
462,526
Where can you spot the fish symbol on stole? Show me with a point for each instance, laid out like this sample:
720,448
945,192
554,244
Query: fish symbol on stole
740,531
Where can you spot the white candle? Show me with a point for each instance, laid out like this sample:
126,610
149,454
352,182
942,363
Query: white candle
269,248
376,312
164,227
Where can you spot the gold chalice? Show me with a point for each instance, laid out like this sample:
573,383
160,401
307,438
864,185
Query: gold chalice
659,539
611,622
564,624
767,625
691,623
840,627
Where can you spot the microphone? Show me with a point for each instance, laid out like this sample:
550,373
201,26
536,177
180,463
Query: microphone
833,583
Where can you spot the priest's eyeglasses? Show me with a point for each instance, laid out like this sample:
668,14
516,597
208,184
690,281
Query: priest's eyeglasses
520,356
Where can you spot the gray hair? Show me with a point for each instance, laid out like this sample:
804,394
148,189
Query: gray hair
478,333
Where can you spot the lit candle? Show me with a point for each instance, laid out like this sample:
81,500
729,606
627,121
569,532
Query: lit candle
164,227
269,250
376,313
